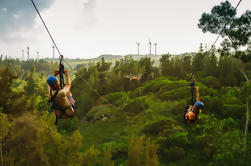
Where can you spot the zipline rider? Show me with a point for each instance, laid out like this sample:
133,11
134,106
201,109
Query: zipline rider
192,113
61,99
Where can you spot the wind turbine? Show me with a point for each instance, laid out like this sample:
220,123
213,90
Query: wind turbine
155,45
138,48
22,54
37,55
150,44
28,53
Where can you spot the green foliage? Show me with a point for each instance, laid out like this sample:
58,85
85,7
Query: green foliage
135,106
100,113
107,161
235,28
12,101
174,153
227,152
198,62
67,126
5,125
142,152
155,127
211,82
90,157
41,143
234,110
117,98
228,72
225,48
179,139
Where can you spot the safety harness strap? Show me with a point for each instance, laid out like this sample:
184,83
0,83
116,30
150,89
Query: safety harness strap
54,96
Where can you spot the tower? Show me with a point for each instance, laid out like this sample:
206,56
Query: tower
37,55
150,45
155,53
138,48
28,53
22,55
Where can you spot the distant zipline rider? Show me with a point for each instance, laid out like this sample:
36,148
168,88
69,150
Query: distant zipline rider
60,98
192,112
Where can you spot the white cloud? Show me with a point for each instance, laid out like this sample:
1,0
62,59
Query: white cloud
16,16
3,10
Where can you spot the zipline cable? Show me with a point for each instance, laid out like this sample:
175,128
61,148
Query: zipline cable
61,56
127,96
62,59
142,103
223,28
88,84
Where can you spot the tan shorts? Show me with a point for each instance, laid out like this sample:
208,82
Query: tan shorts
69,113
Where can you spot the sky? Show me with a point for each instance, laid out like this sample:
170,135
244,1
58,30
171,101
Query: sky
90,28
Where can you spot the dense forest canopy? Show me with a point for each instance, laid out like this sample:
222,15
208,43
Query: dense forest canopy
134,122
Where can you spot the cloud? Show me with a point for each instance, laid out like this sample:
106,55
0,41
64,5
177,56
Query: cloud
89,4
87,13
19,15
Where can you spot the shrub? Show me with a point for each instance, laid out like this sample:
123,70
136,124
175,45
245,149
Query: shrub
174,153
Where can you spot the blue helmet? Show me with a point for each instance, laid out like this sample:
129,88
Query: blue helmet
52,80
199,105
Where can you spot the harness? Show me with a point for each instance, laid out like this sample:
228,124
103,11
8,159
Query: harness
54,106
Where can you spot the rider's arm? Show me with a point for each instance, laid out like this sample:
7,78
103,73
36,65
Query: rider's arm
197,94
56,72
68,81
49,90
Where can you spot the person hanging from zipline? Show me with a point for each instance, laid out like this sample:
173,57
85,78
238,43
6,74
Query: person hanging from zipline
60,97
192,112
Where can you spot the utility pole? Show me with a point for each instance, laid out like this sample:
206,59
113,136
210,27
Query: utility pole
37,55
28,53
22,55
150,44
138,48
155,44
53,53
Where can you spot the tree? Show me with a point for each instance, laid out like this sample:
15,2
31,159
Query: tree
164,64
198,61
211,63
222,20
147,66
11,101
225,48
142,152
246,89
1,59
107,161
90,157
104,66
4,125
33,140
31,87
239,31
